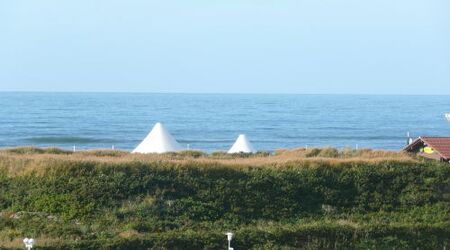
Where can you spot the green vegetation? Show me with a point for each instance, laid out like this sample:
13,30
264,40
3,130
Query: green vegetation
302,199
33,150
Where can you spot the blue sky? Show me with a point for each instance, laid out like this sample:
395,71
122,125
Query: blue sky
233,46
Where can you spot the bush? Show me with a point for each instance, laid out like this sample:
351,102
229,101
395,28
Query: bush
105,152
165,204
313,152
329,152
34,150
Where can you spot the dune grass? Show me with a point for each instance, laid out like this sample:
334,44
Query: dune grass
290,199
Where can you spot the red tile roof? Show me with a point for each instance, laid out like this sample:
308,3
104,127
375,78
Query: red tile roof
439,144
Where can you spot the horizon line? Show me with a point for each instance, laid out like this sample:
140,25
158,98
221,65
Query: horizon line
213,93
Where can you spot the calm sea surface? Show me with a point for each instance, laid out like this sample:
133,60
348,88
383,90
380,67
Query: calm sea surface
212,122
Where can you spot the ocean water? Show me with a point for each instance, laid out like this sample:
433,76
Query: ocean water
211,122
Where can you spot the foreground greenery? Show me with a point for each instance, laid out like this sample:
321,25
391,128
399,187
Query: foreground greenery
319,200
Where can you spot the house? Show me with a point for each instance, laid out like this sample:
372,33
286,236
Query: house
437,148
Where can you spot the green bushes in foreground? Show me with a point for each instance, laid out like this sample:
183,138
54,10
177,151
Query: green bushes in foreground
80,189
317,237
162,205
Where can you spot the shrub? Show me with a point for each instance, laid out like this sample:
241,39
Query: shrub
313,152
34,150
105,152
329,153
145,202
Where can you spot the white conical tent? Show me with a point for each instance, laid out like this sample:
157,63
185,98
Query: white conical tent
159,140
242,145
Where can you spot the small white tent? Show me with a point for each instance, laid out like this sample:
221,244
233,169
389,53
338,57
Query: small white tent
159,140
242,145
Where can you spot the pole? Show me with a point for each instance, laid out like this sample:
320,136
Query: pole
229,237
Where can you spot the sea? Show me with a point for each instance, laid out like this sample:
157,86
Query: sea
211,122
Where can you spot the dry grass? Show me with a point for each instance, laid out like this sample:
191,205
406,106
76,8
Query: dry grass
24,160
129,234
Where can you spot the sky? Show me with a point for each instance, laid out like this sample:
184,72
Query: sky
233,46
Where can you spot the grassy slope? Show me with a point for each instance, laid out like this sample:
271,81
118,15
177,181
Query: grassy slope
295,199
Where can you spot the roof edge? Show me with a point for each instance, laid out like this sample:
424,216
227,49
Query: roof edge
424,139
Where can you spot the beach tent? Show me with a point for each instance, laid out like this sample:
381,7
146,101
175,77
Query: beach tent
159,140
242,145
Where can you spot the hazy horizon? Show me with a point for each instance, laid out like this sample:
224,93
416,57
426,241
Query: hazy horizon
212,93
